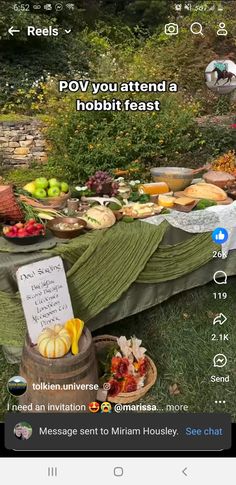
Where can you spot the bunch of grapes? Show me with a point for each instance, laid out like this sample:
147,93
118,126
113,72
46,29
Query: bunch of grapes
102,184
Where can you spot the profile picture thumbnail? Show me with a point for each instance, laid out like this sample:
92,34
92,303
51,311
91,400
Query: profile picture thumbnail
23,431
220,76
17,386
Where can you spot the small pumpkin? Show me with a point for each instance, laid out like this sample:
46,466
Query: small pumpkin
74,327
54,342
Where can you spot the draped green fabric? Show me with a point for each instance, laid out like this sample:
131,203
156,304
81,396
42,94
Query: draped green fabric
104,264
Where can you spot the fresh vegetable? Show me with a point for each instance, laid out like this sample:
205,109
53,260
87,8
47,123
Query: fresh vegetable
30,228
204,203
127,219
75,328
114,207
141,198
54,342
37,213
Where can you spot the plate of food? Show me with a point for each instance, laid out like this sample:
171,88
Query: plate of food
24,233
141,211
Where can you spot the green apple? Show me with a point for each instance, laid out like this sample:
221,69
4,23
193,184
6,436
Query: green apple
41,183
64,187
53,192
54,183
40,193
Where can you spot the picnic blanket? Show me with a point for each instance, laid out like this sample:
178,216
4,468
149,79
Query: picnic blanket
104,264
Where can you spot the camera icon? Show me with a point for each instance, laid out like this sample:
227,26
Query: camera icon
171,29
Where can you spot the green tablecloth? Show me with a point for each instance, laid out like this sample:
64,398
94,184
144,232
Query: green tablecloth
101,266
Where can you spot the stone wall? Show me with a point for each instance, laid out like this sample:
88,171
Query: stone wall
22,142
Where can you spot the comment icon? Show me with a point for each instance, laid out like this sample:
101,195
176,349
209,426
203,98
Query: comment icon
220,278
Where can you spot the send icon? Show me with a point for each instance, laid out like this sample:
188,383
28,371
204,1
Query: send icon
220,235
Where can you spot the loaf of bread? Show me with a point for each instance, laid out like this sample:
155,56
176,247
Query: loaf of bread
203,190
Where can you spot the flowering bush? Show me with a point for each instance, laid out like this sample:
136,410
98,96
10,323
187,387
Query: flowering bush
83,142
127,368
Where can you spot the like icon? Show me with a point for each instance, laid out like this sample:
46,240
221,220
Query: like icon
220,235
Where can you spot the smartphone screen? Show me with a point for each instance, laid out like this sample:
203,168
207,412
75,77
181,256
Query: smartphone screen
118,238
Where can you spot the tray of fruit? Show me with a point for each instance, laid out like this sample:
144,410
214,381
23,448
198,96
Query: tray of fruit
51,193
26,233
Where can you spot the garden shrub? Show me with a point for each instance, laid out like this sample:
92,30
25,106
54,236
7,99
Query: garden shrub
85,141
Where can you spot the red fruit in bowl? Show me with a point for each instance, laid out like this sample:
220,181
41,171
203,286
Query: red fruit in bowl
30,223
19,225
39,226
22,233
29,230
10,234
14,230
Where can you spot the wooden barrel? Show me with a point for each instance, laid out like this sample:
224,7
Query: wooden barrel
60,385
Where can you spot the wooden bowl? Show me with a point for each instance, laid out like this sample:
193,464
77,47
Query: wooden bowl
220,179
63,233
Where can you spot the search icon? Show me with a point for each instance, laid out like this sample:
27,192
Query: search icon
196,28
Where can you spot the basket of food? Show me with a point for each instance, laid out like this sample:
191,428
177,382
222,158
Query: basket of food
51,193
124,366
9,208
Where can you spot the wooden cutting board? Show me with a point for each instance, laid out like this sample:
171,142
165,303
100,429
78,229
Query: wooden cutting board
222,202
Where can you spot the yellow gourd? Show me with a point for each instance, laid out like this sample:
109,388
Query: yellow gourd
75,328
54,342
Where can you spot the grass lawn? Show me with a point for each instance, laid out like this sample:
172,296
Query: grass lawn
178,335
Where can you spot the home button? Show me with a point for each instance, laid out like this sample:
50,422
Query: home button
118,471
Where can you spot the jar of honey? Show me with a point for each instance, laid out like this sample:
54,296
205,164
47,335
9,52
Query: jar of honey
154,188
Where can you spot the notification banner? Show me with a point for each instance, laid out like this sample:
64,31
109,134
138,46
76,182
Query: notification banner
117,432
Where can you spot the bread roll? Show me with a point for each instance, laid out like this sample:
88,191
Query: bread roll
203,190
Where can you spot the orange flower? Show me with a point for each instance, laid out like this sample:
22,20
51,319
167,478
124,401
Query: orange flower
142,366
119,367
115,388
129,384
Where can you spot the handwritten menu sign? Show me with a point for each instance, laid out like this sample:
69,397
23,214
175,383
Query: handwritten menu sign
44,295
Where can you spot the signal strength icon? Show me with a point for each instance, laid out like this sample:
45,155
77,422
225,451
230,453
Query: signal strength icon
70,6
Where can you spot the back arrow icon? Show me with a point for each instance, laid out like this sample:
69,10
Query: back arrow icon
12,30
184,471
